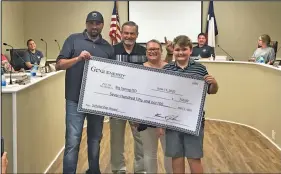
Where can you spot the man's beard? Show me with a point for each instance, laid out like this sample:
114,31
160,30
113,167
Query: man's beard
129,42
94,34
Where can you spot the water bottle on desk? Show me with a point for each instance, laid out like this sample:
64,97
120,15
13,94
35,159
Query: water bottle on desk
34,70
260,60
3,80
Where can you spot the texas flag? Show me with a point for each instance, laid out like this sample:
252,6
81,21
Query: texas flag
211,28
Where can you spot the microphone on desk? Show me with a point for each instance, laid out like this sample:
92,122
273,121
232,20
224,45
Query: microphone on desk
46,53
231,58
278,49
57,44
46,46
11,82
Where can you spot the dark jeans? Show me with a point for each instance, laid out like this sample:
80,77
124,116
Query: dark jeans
74,127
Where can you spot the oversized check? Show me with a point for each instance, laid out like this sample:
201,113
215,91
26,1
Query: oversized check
145,95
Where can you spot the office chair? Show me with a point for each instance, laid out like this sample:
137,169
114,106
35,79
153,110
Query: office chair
274,45
17,58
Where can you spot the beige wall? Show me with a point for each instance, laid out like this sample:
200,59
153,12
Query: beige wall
12,25
240,23
64,19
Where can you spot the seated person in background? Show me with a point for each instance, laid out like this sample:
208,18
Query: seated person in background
202,50
5,64
264,53
32,55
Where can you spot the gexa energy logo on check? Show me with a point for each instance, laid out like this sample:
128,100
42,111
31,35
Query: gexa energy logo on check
107,72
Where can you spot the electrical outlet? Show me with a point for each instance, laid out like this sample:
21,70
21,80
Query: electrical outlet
273,133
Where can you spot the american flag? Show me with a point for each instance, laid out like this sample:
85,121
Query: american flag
115,33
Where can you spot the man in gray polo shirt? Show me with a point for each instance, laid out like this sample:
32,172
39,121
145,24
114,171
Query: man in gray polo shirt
76,50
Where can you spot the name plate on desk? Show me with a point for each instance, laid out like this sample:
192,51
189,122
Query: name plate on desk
145,95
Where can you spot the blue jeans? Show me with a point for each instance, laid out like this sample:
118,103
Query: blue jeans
74,127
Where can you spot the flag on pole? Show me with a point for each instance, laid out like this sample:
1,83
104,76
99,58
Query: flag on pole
211,28
115,33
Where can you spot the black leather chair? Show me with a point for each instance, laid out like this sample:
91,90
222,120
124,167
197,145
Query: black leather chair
274,45
17,58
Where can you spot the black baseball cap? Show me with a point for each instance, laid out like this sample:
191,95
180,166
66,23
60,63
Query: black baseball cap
95,16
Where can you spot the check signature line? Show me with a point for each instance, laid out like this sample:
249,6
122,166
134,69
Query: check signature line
165,92
157,118
168,117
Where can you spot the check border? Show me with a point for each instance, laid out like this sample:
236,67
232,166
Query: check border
126,64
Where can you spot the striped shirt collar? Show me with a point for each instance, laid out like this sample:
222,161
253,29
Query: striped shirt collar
123,51
190,63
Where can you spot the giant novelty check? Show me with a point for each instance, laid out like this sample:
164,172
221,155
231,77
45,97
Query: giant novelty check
144,95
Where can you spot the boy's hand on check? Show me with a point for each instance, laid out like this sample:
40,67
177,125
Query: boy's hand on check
210,79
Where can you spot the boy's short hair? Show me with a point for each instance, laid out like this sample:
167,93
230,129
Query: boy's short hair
183,41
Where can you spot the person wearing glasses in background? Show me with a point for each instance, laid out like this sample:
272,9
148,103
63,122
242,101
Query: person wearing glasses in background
150,134
264,53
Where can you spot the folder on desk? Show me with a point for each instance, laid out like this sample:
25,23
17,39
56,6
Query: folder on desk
43,62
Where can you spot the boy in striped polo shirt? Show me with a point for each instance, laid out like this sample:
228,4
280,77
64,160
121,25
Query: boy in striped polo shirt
180,145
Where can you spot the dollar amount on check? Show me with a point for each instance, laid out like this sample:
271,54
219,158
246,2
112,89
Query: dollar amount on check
144,95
